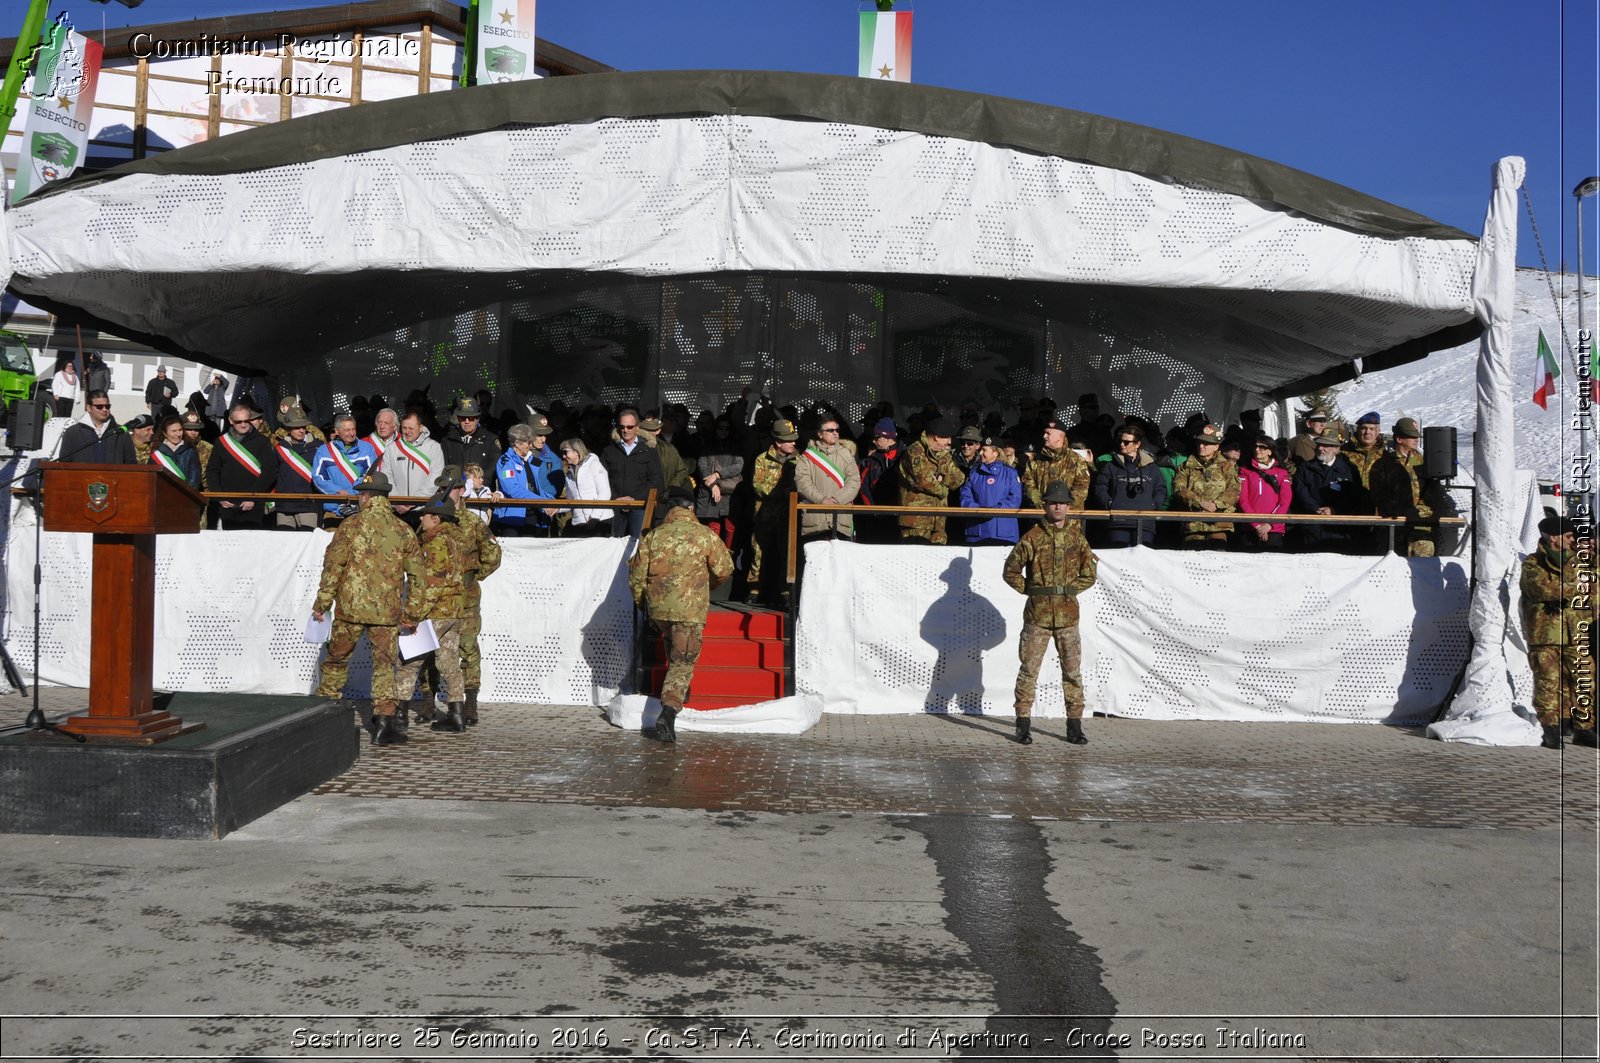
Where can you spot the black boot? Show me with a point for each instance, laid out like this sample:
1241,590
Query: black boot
452,722
423,710
1552,736
469,712
385,734
665,731
1075,733
1025,730
1585,736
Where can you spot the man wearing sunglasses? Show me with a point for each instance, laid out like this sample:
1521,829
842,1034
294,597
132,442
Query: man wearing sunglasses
1129,480
241,461
95,437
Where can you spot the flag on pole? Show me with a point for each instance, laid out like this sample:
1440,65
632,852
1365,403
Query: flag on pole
1545,371
503,41
55,138
885,51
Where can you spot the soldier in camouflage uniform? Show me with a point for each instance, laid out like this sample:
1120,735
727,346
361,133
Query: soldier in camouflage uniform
1558,629
483,558
193,426
1397,488
677,566
1206,483
928,474
441,597
1056,461
674,470
1052,564
365,570
1362,450
142,430
773,483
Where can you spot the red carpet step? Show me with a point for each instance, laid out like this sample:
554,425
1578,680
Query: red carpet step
741,658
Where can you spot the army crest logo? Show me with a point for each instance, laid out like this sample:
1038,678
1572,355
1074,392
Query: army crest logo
99,496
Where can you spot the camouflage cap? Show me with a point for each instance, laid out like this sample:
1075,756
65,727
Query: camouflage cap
375,482
450,477
783,431
1406,427
1058,491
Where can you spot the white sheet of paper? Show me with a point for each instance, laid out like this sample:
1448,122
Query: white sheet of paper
423,641
318,631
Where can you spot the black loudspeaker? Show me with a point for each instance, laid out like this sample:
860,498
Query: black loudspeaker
25,424
1439,453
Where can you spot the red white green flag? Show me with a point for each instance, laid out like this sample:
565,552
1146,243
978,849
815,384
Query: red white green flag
55,138
885,46
502,38
1545,371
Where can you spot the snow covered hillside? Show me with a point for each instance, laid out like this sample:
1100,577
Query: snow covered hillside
1442,388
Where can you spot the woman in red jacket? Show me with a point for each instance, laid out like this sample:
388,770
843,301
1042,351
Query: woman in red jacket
1264,487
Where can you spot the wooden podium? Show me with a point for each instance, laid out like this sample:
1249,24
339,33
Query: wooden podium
125,507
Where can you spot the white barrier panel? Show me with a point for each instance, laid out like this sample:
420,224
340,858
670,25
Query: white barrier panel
231,611
1166,634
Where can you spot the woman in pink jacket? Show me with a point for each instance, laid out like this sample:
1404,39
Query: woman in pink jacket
1264,487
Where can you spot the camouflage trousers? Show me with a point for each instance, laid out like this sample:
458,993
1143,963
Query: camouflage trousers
683,650
924,529
471,658
1030,648
336,666
448,655
1556,671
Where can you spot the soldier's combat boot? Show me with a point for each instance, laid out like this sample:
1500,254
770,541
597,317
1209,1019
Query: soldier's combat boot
1025,730
423,710
1585,736
469,711
452,722
1075,733
384,733
1552,736
665,731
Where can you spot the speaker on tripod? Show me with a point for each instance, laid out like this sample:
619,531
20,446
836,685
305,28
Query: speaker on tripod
1439,453
25,424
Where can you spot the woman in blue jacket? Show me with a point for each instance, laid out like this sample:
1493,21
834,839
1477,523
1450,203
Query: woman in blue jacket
528,470
991,484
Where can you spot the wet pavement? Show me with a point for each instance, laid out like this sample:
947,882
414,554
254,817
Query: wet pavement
1169,891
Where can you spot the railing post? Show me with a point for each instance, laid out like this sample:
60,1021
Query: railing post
649,510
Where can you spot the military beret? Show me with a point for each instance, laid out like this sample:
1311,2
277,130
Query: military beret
940,426
1554,525
783,431
1370,417
1407,428
1058,491
993,441
376,482
450,477
1055,423
679,493
141,421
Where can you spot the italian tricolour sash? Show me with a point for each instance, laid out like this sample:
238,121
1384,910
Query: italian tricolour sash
241,455
343,463
296,462
170,465
829,470
416,456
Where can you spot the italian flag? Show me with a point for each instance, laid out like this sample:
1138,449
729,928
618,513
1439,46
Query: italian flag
1545,371
885,45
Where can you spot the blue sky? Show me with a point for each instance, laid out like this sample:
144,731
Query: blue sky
1409,101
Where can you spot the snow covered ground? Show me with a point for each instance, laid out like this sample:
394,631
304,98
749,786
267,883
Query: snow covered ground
1441,389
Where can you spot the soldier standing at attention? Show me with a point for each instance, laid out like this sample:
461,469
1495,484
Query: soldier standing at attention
483,557
1206,483
673,573
1052,565
442,598
365,570
1558,636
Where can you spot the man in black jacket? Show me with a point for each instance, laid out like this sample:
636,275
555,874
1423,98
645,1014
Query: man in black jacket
242,460
467,443
1130,479
96,437
634,468
1331,486
159,392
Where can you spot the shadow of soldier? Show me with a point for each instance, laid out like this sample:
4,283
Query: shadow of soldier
960,625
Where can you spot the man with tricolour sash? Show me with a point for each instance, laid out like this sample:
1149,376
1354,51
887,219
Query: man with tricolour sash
826,472
340,464
412,462
243,462
295,452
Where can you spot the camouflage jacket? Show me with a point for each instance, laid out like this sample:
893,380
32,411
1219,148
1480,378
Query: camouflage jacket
1199,481
675,472
202,450
1551,602
141,452
366,567
677,565
1362,459
773,482
1052,566
1048,466
1396,486
483,552
446,565
927,476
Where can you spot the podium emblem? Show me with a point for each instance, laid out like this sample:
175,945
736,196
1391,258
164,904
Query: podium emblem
100,499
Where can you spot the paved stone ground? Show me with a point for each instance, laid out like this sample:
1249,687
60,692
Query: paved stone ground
1131,770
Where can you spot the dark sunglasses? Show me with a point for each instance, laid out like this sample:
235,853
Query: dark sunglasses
99,405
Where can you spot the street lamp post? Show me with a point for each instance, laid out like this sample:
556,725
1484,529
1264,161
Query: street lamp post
1585,188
